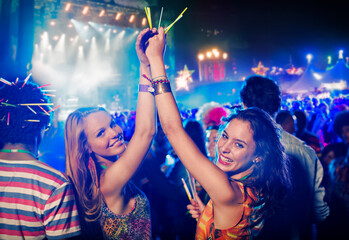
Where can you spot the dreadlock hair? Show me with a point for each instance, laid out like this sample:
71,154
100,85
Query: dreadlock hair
22,123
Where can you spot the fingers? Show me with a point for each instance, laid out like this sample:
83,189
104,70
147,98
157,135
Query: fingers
194,210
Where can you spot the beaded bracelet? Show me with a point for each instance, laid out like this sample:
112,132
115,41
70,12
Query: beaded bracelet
161,80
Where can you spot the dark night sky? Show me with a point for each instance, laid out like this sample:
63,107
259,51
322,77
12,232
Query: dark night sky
269,31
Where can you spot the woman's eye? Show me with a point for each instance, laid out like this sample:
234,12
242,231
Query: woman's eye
239,145
224,136
100,133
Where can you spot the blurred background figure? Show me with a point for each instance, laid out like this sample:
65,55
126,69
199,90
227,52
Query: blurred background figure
210,114
335,227
211,140
302,133
285,119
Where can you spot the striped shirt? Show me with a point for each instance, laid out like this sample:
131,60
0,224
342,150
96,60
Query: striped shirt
36,202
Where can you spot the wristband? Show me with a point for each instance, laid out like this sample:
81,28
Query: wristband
162,88
146,88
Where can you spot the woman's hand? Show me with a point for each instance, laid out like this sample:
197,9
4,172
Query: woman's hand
196,207
142,43
156,46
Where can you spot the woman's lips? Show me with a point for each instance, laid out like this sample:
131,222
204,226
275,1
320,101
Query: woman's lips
224,162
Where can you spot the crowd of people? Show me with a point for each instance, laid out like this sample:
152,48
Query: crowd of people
264,168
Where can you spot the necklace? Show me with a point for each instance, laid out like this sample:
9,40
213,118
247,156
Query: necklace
18,150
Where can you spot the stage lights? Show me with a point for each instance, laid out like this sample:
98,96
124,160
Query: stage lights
212,54
201,57
309,57
118,16
67,7
144,21
132,18
101,13
85,10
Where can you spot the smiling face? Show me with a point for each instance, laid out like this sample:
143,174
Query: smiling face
104,136
236,149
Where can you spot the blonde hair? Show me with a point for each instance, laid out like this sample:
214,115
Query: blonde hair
77,157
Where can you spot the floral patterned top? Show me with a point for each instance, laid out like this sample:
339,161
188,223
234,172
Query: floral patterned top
135,225
243,230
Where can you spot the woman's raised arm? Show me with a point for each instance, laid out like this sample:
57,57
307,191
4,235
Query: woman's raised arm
123,169
207,174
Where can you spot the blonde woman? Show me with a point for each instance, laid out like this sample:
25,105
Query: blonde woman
100,166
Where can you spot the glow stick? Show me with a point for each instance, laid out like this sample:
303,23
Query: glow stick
31,109
26,79
160,16
182,12
16,81
35,104
190,183
149,17
168,28
5,81
186,189
8,118
44,110
50,95
7,104
54,108
44,85
32,120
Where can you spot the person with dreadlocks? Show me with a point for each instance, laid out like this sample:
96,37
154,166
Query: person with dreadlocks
36,200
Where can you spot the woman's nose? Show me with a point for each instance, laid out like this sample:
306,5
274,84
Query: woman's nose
112,133
226,147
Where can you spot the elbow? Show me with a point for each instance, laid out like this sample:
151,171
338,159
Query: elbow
148,133
171,129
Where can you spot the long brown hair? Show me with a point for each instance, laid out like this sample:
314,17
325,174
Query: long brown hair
78,159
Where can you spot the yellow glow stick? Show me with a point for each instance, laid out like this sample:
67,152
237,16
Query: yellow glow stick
168,28
179,17
147,12
186,189
149,17
182,13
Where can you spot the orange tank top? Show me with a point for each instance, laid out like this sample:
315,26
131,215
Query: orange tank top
243,230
